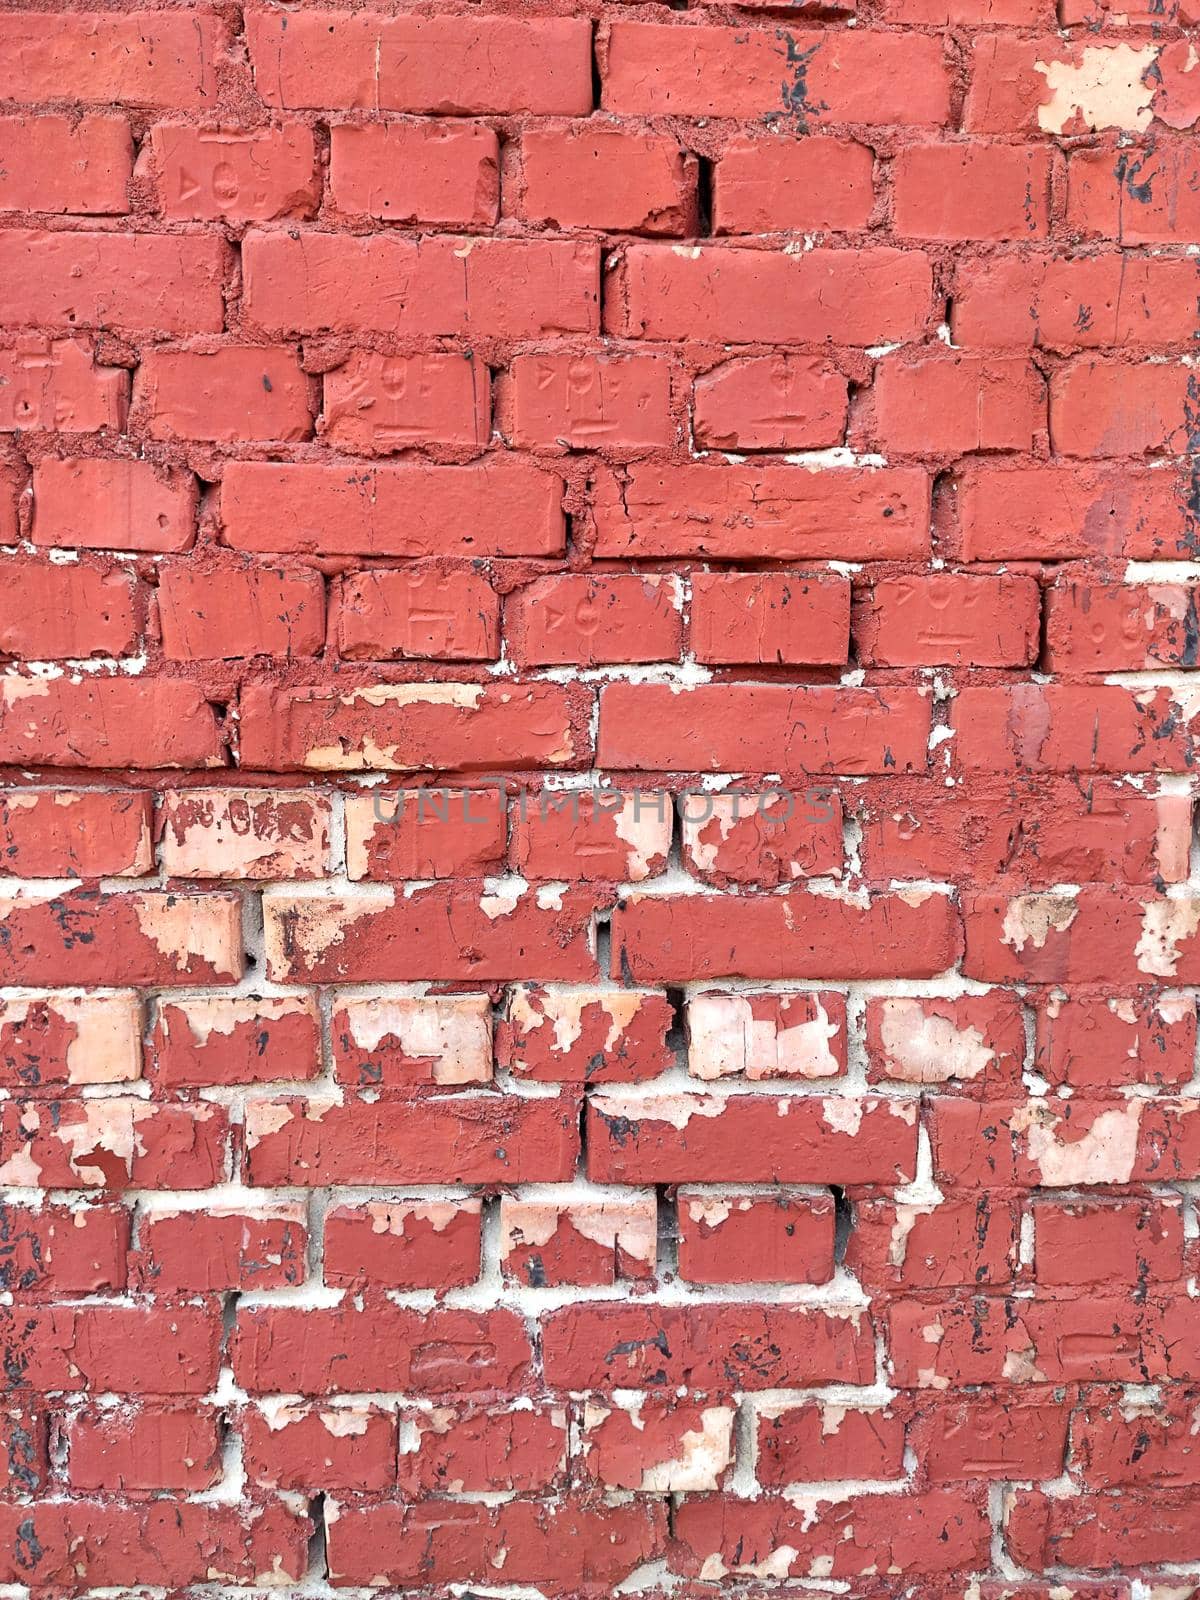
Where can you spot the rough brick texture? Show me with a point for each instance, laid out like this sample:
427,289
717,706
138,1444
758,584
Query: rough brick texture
600,929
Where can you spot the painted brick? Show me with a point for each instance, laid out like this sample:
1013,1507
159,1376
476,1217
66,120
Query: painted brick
234,612
377,405
55,383
600,933
225,395
582,176
50,164
207,174
49,612
113,505
588,402
600,621
776,185
69,833
452,615
417,172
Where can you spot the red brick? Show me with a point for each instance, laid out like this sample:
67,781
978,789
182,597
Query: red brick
1102,407
340,1350
59,1250
948,619
1048,85
523,1448
1113,1042
1031,832
113,1143
1135,197
299,1447
24,1450
762,839
762,727
1057,512
377,405
954,404
54,1039
972,13
588,1036
588,1548
244,833
482,1139
719,293
654,70
1119,627
768,512
412,726
1062,727
50,612
967,1440
425,833
220,1249
453,615
816,1442
999,1340
231,394
972,191
99,1544
611,837
154,58
113,505
782,402
1062,1144
75,833
87,937
107,722
403,1245
1115,1442
588,402
492,288
168,283
763,1036
944,1244
930,1041
592,621
739,1138
551,1243
645,1443
1105,1243
401,1043
1175,100
732,1238
499,506
210,174
1103,1530
142,1451
1015,301
685,937
783,184
582,176
234,611
51,164
444,173
704,1347
1095,936
406,62
113,1349
930,1532
55,384
770,620
212,1040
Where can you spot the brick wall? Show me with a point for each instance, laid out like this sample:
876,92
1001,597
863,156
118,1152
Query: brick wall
741,1125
